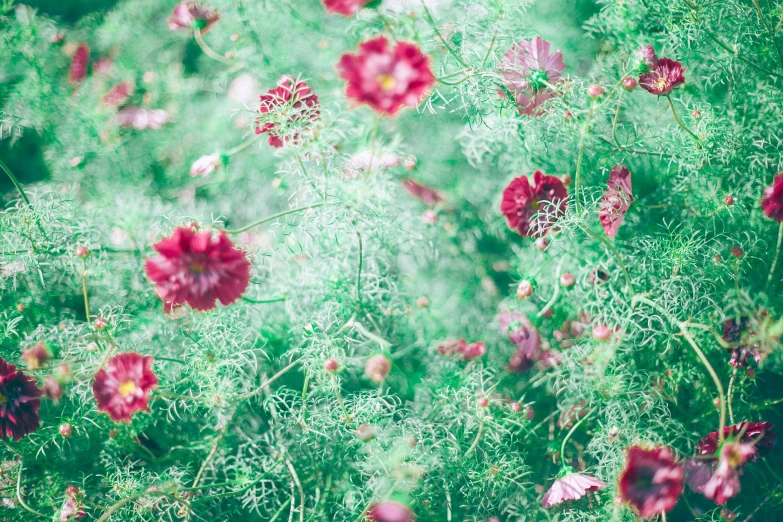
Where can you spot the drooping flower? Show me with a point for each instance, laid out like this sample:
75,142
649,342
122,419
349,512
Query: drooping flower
616,200
425,194
521,201
741,353
725,482
123,387
760,432
206,165
571,486
772,202
191,15
462,349
71,509
118,95
529,69
344,7
386,78
651,481
36,356
79,62
140,119
390,511
696,474
198,268
663,77
527,339
20,399
286,111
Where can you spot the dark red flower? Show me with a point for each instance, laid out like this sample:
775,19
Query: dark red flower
663,77
571,486
425,194
79,62
529,70
616,200
753,431
387,79
123,388
697,474
198,268
390,511
344,7
286,111
740,354
20,399
772,202
521,201
651,481
118,95
36,356
725,482
190,15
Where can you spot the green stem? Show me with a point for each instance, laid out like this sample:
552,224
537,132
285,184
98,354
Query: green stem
359,271
682,125
476,440
557,289
19,495
339,397
272,218
731,385
15,182
265,301
434,26
84,292
616,118
243,145
489,50
616,255
568,436
777,255
207,49
268,382
582,138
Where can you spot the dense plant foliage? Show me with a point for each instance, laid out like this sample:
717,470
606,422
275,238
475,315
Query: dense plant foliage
480,260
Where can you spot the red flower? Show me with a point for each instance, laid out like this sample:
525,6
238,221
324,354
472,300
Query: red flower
697,474
425,194
344,7
19,402
761,432
386,79
390,511
616,200
118,95
521,201
725,482
123,388
772,202
286,110
79,62
528,69
572,486
651,481
198,269
663,77
190,15
740,354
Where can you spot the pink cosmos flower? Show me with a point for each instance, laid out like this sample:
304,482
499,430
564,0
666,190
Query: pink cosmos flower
198,268
190,15
521,201
759,432
772,202
571,486
616,200
344,7
528,69
428,196
118,95
79,62
390,511
123,387
725,482
140,119
286,110
386,78
651,481
20,399
663,77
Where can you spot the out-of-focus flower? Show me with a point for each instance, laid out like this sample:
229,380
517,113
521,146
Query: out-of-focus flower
663,77
651,481
124,386
522,200
758,433
344,7
389,511
191,15
20,399
772,202
206,165
140,119
725,482
740,354
36,356
420,191
616,200
103,65
287,111
462,349
387,78
696,474
79,62
521,332
646,58
52,389
377,368
118,95
570,486
243,89
529,71
370,161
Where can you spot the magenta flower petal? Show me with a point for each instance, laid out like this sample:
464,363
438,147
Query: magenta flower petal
663,77
758,432
528,69
772,202
651,481
346,8
286,111
571,487
725,482
123,387
521,201
616,200
19,402
191,15
79,62
423,193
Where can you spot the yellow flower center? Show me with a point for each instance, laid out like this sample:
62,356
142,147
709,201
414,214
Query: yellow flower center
660,84
386,81
126,388
196,267
3,399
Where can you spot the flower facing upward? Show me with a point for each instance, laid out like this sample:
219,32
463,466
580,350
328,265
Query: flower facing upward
123,387
725,482
663,77
190,15
571,486
344,7
528,70
286,111
651,481
760,432
521,200
386,78
198,268
390,511
772,202
616,200
19,402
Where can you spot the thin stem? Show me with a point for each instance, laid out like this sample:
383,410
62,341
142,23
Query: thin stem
19,494
582,138
616,118
731,385
769,30
209,458
616,255
489,50
265,301
359,271
207,49
568,436
434,26
386,24
340,398
476,440
243,145
15,182
269,381
682,125
272,218
777,255
299,487
84,292
551,302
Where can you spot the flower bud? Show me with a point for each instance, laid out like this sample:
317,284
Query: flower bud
601,332
525,289
81,251
595,91
482,402
71,491
365,432
377,368
389,511
567,280
515,407
331,365
736,252
429,217
629,83
206,165
728,200
101,323
542,243
52,389
66,430
422,302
